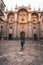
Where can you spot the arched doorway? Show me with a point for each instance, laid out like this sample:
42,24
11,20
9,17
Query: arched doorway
35,33
22,34
10,33
1,32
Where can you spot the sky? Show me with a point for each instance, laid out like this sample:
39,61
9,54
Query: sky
10,4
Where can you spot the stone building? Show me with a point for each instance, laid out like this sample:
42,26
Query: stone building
2,7
22,19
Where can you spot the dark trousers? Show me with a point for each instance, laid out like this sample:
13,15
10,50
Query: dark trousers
22,46
22,43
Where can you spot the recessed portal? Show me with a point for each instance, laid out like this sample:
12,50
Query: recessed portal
22,34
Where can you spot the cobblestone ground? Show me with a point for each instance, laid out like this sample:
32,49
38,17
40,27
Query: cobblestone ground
11,54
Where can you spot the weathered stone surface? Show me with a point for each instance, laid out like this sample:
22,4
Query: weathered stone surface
11,53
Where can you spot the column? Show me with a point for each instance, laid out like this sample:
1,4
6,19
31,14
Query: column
29,16
15,16
15,30
30,30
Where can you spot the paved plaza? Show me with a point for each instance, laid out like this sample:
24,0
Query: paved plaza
11,53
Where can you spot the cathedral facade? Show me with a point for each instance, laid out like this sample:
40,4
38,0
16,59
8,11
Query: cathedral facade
22,19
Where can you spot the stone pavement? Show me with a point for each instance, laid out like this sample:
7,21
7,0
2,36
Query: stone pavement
11,53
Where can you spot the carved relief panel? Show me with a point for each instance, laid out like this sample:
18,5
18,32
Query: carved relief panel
34,17
11,18
22,17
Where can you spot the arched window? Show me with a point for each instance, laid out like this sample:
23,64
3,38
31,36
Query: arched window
1,27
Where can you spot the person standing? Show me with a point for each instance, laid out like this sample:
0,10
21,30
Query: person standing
22,37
